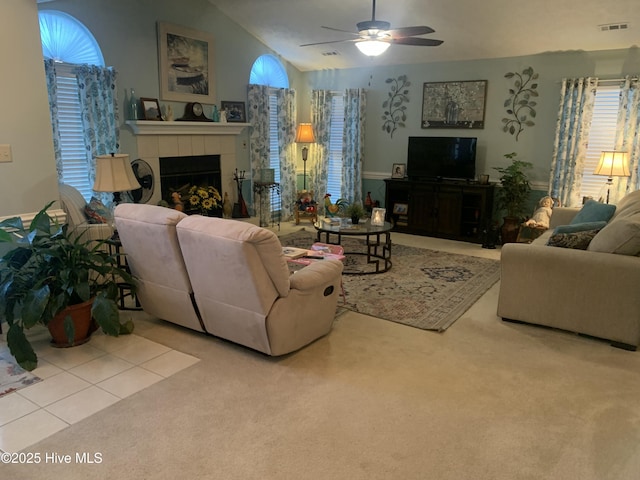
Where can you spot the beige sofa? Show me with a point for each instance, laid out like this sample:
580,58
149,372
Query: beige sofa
226,278
592,292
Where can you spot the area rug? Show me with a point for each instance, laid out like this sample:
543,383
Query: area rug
12,376
426,289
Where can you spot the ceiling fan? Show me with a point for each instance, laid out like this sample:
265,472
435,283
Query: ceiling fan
375,36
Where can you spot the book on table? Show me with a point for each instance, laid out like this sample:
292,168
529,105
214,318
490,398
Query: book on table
294,252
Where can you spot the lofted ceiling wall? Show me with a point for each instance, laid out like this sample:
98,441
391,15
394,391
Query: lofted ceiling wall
470,29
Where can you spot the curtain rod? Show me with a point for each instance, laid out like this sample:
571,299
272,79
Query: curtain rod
631,77
612,80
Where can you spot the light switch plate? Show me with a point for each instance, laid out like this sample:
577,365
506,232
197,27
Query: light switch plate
5,153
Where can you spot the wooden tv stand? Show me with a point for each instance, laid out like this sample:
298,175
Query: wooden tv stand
457,210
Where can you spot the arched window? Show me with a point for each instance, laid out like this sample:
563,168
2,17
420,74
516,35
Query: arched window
267,70
65,39
68,43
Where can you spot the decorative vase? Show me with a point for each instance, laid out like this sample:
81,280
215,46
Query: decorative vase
227,208
368,202
510,229
355,220
82,321
133,106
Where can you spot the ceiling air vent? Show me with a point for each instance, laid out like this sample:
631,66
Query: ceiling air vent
613,26
330,54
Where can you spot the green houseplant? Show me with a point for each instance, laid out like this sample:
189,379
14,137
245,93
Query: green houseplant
48,271
513,195
355,211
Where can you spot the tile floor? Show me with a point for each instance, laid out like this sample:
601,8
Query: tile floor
80,381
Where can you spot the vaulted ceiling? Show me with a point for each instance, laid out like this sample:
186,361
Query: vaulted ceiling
470,29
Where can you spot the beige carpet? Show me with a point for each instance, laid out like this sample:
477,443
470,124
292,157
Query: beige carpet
426,289
486,400
373,400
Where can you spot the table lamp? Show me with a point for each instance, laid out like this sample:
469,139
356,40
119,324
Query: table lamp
612,164
305,135
114,174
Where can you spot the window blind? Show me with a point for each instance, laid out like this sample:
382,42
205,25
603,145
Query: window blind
74,158
601,137
336,134
274,152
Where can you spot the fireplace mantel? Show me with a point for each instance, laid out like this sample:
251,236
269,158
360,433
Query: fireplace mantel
152,127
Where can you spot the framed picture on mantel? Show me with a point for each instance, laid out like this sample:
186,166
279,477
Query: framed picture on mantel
185,63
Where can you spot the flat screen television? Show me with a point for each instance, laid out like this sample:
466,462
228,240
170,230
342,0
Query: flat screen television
441,158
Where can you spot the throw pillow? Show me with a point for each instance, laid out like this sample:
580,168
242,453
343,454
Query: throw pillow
621,236
577,240
579,227
593,211
96,211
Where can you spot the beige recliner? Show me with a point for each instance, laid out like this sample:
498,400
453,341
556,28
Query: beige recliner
150,242
73,204
241,285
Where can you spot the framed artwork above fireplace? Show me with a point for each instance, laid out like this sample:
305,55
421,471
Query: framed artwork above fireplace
186,64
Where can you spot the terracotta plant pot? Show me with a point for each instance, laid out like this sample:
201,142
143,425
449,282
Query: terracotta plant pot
510,229
82,321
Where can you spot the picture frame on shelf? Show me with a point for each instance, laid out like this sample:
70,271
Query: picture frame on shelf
400,208
236,111
377,216
151,108
398,170
185,64
454,104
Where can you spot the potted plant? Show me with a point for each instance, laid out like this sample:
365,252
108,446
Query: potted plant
355,211
48,276
512,198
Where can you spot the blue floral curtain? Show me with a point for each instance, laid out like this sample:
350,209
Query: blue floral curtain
628,137
286,98
577,97
319,151
52,91
355,104
258,116
99,111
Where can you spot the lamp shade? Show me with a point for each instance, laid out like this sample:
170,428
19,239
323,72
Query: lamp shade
613,164
372,48
114,174
305,133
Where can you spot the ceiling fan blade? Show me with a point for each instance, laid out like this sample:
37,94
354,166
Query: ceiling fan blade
330,41
410,31
343,31
421,42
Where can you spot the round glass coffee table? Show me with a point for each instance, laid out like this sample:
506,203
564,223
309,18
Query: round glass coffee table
375,244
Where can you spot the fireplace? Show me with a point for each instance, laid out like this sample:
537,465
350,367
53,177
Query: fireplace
178,172
187,140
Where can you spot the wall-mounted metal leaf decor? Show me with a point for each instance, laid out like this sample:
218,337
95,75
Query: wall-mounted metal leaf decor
395,112
521,102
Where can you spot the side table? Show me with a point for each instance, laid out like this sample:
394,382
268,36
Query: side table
260,188
125,289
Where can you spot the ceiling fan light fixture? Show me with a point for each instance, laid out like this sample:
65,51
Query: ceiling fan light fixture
372,48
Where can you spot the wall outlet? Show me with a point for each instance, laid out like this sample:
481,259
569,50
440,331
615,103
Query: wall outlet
5,153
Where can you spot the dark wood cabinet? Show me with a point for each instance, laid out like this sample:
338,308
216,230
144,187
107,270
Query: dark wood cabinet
447,209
